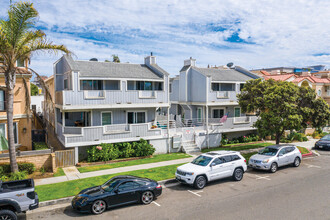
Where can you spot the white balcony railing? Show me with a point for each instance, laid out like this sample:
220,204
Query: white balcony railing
147,94
222,95
94,94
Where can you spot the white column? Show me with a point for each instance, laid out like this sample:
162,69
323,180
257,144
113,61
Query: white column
207,127
76,155
168,130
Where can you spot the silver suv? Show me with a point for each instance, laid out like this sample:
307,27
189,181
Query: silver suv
274,156
212,166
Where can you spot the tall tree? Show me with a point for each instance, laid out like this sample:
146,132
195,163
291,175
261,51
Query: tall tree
283,106
19,39
34,89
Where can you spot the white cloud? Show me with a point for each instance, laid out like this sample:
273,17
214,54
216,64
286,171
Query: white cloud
283,33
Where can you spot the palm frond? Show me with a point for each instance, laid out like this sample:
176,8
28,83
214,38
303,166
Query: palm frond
27,98
43,85
43,46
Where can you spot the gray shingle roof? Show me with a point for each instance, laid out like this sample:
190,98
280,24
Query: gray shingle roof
115,70
223,74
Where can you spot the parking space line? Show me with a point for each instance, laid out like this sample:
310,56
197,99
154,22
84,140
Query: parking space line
310,166
262,177
196,193
156,203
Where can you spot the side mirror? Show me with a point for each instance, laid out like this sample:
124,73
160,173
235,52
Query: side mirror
279,155
212,164
115,191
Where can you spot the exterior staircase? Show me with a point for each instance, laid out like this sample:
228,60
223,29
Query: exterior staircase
190,147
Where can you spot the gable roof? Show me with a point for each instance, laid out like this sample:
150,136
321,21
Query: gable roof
222,74
116,70
312,79
281,77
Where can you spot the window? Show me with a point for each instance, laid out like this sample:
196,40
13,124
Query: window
170,87
237,112
2,100
91,85
282,152
136,117
106,118
289,149
217,161
4,132
235,157
144,85
223,86
226,158
241,86
20,63
112,85
218,113
65,84
128,186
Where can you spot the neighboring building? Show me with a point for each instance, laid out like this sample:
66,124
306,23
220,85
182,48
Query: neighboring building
201,97
22,126
295,70
106,102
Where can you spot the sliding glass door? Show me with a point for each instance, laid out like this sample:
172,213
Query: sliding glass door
136,117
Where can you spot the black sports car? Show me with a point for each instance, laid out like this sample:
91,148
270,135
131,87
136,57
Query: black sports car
323,143
119,190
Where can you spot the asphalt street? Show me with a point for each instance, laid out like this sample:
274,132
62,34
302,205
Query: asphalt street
290,193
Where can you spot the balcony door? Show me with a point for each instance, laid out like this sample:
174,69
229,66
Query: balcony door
218,113
136,117
199,114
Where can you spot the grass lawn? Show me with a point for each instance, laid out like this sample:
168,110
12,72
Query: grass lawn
303,150
154,159
238,148
71,188
59,172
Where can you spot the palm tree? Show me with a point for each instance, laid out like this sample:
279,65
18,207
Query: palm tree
18,41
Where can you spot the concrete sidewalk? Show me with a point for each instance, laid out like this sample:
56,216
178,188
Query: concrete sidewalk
39,182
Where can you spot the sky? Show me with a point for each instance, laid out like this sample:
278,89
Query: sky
250,33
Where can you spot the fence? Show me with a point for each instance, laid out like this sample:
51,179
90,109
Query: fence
65,158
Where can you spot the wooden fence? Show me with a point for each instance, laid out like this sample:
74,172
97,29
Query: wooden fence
65,158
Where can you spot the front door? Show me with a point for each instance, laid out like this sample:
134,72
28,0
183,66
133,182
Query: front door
199,114
282,157
216,169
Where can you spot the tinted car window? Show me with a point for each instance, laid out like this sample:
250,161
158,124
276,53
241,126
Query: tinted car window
289,149
235,157
226,158
127,186
217,161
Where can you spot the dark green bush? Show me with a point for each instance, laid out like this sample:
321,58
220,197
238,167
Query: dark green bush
40,146
29,168
18,176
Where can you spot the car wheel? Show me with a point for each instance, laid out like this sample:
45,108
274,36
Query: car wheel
273,168
7,214
238,174
98,207
147,197
200,182
296,162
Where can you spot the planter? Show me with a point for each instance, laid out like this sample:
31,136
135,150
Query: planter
85,164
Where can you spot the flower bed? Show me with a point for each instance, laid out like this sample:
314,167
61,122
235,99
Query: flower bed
242,139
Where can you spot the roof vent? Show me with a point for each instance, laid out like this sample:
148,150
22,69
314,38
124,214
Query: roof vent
230,64
93,59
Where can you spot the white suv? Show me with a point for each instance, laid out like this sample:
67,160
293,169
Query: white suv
212,166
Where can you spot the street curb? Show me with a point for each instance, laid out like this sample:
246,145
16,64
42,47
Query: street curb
308,154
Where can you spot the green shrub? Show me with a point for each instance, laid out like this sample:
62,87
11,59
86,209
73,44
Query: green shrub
29,168
42,170
305,139
18,176
106,152
40,146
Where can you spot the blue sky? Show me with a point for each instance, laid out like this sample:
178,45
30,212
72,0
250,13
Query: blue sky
252,34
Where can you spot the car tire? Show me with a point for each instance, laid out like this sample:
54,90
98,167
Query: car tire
98,207
273,168
296,162
238,174
8,214
200,182
147,197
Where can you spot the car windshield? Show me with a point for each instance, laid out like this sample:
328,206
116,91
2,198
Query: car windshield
202,160
110,185
268,151
326,138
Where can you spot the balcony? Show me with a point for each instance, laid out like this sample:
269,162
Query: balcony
222,96
84,136
109,97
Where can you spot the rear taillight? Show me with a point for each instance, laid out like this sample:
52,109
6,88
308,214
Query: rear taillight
159,186
31,195
245,161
